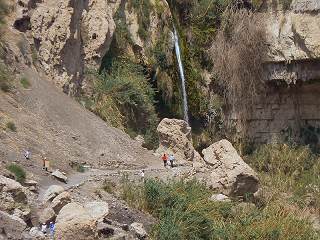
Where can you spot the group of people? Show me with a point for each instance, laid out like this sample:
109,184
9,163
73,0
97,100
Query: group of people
51,228
45,161
165,158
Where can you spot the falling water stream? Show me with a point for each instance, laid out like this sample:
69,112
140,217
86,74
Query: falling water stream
183,81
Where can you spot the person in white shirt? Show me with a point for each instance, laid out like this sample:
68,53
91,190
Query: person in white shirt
171,159
142,174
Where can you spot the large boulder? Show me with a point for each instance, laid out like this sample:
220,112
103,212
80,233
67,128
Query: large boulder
60,176
12,193
97,210
47,215
11,226
81,221
175,137
229,173
52,192
60,201
138,230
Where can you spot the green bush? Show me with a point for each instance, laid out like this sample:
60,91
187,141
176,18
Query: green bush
10,125
25,82
20,174
125,92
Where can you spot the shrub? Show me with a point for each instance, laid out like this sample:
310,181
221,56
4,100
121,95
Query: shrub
5,79
108,186
25,82
20,174
10,125
124,97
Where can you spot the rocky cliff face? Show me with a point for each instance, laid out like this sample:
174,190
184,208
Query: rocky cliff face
289,105
71,36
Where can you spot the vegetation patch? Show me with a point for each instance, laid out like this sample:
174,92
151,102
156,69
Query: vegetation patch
124,97
184,211
10,125
108,186
5,79
289,168
18,171
25,82
143,10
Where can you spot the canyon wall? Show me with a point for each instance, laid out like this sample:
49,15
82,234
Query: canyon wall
70,36
290,105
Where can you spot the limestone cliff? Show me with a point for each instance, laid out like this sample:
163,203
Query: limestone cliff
71,36
289,107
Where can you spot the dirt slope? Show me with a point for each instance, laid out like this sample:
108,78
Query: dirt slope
51,123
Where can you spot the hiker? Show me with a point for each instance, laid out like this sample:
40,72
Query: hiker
165,159
171,159
27,154
142,175
44,228
46,164
52,228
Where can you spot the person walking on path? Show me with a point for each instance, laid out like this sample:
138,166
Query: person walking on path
142,175
27,154
171,159
52,227
44,228
165,159
46,164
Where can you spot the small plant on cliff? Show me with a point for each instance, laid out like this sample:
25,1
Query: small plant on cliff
25,82
10,125
19,173
142,9
5,79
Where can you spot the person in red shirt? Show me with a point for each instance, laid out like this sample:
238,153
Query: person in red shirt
164,159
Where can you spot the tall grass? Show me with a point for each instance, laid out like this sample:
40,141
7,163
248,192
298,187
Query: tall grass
184,211
289,169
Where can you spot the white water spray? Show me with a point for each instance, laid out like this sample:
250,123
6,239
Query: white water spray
183,81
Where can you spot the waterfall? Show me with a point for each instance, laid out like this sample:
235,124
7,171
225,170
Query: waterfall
183,81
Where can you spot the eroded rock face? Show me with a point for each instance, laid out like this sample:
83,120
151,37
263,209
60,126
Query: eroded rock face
70,34
175,137
11,193
229,173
